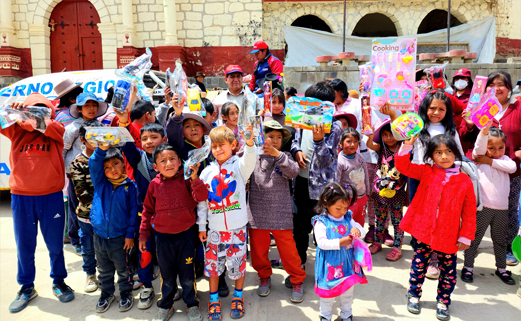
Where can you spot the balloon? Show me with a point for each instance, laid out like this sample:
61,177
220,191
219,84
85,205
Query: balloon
146,258
516,247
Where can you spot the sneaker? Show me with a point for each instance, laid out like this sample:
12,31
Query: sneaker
91,284
349,318
388,239
375,248
63,292
156,272
135,277
194,314
164,314
22,299
467,276
136,285
369,237
433,272
178,294
104,302
145,298
223,288
264,287
77,248
237,309
413,304
214,311
126,301
297,295
506,277
511,259
277,264
442,312
288,283
272,243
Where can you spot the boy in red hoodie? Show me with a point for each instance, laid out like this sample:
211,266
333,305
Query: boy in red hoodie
36,182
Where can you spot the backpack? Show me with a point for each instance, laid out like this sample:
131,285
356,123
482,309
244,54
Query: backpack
469,168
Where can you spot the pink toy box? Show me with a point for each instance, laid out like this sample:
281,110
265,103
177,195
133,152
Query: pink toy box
486,109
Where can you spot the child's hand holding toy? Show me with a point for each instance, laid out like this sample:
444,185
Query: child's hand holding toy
355,232
248,137
411,140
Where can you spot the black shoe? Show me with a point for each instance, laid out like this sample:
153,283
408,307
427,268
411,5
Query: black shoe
63,292
442,312
467,276
413,304
288,283
506,277
223,288
104,302
126,301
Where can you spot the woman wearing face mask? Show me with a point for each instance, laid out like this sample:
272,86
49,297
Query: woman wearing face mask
462,85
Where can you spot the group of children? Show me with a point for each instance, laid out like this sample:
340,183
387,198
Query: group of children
139,192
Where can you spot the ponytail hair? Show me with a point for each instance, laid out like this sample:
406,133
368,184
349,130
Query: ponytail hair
333,192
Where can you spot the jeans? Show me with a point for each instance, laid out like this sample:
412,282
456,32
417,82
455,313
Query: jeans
87,248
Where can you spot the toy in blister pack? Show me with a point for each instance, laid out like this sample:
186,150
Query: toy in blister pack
361,253
181,83
436,75
107,136
34,115
366,78
393,65
406,126
478,89
486,109
194,100
258,133
305,112
196,156
248,107
267,98
366,115
121,96
420,91
135,71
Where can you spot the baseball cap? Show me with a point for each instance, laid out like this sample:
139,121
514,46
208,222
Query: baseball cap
259,45
463,72
233,68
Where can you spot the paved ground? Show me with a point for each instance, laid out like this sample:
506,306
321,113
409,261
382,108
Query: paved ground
383,298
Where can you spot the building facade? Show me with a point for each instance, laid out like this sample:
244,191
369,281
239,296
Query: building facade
43,36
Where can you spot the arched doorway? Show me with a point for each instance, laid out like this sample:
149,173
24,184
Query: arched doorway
76,40
436,20
311,22
375,25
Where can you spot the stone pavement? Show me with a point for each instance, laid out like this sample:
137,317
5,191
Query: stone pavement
383,298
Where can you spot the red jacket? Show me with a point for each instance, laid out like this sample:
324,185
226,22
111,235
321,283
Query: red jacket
36,158
169,206
457,108
441,212
275,66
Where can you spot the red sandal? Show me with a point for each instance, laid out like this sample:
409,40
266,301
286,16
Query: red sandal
394,255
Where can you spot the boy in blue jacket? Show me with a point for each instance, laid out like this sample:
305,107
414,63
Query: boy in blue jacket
114,219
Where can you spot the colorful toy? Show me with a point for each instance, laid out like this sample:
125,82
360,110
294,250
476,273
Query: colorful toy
486,109
516,247
194,100
406,126
304,112
366,115
393,64
135,71
196,156
267,98
258,133
34,115
146,258
437,76
121,96
366,78
475,96
361,253
107,136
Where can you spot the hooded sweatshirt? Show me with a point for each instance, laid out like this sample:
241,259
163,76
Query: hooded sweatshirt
36,158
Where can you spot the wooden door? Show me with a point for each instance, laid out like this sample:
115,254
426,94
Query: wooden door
75,41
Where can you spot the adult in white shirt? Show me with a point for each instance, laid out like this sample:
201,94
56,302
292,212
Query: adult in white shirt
233,76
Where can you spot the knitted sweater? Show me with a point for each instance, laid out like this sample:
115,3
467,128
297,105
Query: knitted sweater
354,172
269,199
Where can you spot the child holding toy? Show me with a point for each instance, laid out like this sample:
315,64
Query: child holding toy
277,113
352,170
442,217
230,116
389,187
226,214
336,270
172,222
271,211
494,181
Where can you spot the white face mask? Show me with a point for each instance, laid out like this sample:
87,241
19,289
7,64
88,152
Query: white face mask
461,84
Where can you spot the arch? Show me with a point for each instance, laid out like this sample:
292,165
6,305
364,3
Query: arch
312,22
437,20
43,11
375,25
399,30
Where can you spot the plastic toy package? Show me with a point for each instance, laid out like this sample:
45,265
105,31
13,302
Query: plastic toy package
181,83
486,109
258,133
406,126
436,75
108,136
267,98
197,155
475,96
122,92
248,107
34,115
366,115
304,112
366,77
420,92
362,254
393,62
194,101
134,72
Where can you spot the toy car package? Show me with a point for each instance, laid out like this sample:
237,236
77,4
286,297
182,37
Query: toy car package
108,136
305,112
34,115
197,155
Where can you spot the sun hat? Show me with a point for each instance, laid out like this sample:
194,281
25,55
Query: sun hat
259,45
377,137
353,122
273,124
65,87
196,115
233,68
82,100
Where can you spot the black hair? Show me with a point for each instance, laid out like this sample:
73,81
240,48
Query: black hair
279,94
81,107
162,147
291,91
469,80
339,85
140,108
152,127
89,123
349,131
321,90
447,121
498,133
267,51
110,94
225,109
503,75
208,106
269,130
333,192
419,74
438,140
65,100
113,152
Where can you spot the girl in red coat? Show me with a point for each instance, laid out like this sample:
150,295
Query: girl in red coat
442,217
